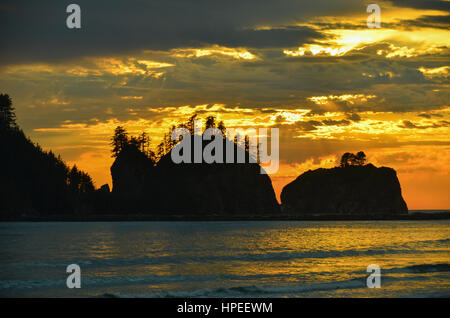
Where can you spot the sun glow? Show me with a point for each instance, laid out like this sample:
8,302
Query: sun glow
238,53
399,43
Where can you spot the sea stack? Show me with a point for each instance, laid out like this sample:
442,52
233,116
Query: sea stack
192,190
218,189
353,190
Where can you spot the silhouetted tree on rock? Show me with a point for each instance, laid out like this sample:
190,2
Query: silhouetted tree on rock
350,159
119,140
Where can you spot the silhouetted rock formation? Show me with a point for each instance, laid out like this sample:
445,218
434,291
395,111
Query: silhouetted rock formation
130,172
354,190
194,189
215,189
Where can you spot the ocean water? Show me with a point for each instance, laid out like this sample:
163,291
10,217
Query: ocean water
226,259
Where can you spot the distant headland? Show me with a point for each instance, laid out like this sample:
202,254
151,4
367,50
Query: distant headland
147,185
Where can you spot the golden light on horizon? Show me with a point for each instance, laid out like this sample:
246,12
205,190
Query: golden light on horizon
372,128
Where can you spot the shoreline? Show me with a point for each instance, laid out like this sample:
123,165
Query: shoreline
199,218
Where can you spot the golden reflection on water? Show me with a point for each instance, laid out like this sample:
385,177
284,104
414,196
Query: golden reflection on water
270,252
215,259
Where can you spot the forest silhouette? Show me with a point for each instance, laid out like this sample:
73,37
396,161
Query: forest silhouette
34,181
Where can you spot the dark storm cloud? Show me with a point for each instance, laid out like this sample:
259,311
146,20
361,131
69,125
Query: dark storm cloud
36,30
423,4
277,37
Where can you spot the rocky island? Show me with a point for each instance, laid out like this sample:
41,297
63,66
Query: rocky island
192,190
353,189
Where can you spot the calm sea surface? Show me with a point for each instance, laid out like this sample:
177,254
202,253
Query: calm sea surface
226,259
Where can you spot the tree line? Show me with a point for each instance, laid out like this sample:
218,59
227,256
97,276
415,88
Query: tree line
121,140
33,179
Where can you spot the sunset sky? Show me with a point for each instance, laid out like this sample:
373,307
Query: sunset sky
311,68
